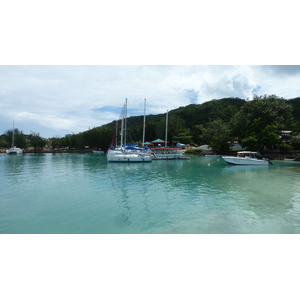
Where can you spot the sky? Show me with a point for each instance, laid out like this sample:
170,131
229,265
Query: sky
67,66
55,100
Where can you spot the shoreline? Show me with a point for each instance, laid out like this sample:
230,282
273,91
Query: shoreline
270,155
51,151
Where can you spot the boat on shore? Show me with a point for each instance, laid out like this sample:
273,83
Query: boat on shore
246,158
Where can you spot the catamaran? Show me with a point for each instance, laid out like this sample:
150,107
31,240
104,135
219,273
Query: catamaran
14,149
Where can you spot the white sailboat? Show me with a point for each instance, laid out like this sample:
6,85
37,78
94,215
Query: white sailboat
166,153
123,153
14,149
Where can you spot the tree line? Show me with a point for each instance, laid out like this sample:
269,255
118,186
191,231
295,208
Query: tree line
256,125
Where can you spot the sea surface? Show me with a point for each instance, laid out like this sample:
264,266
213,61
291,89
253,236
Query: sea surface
83,193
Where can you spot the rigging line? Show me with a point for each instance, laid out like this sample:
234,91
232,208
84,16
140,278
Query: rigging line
154,125
174,128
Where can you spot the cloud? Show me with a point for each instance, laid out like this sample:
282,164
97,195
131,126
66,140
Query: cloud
56,100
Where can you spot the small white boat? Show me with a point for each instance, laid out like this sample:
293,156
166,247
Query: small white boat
98,151
246,158
14,149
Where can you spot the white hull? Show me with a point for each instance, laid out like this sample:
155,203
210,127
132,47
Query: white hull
166,154
244,160
14,150
127,157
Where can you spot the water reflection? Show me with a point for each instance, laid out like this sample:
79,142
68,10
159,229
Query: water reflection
14,167
200,195
129,184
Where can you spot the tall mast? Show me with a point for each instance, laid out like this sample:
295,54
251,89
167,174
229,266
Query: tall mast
143,144
166,137
122,126
125,121
116,134
13,135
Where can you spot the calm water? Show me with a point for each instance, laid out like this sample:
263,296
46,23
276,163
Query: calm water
82,193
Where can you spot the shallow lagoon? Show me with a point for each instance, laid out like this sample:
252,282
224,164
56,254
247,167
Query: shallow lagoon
82,193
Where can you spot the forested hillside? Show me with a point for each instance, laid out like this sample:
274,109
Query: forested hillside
188,125
214,122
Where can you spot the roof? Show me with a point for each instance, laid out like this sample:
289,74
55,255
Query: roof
158,141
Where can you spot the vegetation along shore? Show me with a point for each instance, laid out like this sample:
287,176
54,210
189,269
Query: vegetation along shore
268,124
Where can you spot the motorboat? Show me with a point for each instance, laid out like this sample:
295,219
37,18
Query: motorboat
246,158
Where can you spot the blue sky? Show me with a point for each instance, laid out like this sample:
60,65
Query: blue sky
57,100
68,67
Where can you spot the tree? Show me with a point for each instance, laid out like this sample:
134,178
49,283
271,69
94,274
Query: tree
36,141
184,137
19,136
217,135
197,131
259,121
259,138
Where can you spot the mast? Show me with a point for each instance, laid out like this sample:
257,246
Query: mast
13,135
143,144
125,124
122,127
116,133
166,137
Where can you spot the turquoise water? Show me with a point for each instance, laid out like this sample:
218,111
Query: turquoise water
82,193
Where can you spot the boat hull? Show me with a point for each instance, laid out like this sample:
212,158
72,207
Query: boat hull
166,156
120,157
165,153
128,159
245,161
14,151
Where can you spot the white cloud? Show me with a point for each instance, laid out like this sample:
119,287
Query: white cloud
56,100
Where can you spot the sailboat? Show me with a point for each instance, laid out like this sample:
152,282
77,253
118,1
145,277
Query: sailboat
164,153
124,153
14,149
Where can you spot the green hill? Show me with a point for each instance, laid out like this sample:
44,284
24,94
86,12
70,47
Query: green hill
183,126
